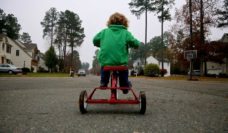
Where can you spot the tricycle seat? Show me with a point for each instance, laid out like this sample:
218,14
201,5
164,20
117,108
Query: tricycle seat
115,68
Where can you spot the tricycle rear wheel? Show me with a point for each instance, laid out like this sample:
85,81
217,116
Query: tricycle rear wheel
142,99
82,102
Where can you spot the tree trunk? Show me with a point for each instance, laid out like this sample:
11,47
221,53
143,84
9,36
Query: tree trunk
191,39
146,25
64,53
202,39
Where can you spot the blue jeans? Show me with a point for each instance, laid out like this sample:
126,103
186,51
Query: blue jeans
123,77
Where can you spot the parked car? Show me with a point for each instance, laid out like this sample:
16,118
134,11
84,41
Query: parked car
9,68
195,72
81,72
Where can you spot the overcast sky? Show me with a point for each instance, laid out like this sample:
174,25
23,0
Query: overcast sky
94,15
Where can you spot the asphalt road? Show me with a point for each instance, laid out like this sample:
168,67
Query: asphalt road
50,105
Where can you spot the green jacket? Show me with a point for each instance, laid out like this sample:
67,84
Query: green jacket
114,42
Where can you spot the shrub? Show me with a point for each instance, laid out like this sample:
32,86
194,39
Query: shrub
211,75
32,69
163,71
42,70
140,71
175,70
133,73
151,70
25,70
223,75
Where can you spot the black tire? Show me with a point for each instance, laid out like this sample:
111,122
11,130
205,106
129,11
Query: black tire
142,99
82,102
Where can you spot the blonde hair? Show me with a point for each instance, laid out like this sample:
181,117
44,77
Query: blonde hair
118,19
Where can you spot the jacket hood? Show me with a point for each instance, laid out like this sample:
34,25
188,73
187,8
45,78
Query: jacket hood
116,27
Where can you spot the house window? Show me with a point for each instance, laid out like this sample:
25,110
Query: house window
8,61
17,52
8,49
3,46
3,60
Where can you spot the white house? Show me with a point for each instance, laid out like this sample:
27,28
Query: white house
41,62
166,64
137,63
216,68
19,54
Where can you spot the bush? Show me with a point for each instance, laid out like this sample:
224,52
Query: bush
175,70
211,75
223,75
32,69
151,70
140,71
163,71
42,70
25,70
133,73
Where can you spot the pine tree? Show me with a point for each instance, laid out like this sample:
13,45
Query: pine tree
49,23
9,25
51,59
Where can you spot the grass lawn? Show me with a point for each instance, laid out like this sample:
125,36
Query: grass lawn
186,77
35,75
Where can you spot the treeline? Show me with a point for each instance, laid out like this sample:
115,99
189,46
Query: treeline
9,25
172,44
64,32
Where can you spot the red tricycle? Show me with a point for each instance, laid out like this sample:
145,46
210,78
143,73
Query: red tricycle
84,100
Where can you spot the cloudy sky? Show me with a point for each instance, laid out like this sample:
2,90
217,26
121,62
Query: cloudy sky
94,15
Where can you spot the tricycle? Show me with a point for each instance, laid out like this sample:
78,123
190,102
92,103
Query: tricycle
85,99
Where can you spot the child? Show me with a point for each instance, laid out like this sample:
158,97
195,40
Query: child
114,42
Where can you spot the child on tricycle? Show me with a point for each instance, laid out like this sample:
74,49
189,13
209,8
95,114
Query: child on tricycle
114,42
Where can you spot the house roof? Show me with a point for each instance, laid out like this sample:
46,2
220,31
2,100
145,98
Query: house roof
30,46
18,44
15,42
3,36
160,59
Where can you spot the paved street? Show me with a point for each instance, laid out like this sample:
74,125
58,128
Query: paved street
50,105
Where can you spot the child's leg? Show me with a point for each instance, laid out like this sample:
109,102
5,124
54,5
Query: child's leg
123,78
104,77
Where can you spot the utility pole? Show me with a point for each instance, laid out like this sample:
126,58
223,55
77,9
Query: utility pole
162,21
146,23
146,27
191,42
